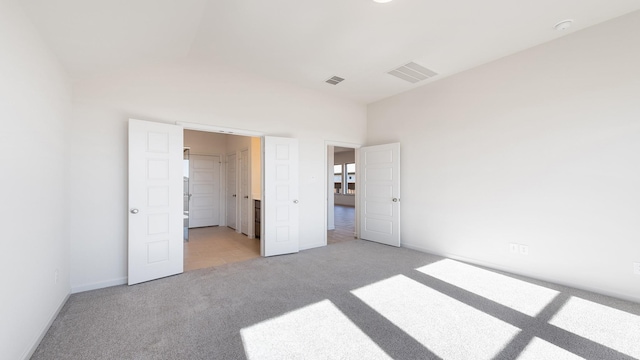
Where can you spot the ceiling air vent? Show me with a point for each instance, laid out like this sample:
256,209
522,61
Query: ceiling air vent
412,72
335,80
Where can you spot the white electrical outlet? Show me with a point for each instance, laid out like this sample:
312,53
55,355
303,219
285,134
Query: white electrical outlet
513,248
55,276
524,249
636,268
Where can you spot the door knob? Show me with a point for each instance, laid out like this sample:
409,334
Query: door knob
395,200
134,211
295,201
246,196
234,195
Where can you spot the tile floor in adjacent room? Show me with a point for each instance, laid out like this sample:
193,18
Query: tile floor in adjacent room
217,245
345,225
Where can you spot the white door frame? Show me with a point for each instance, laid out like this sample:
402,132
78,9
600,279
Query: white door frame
356,147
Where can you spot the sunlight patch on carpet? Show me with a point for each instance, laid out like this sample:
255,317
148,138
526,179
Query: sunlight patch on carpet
519,295
447,327
610,327
540,349
317,331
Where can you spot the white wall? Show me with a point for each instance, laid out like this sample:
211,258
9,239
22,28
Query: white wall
541,148
35,108
190,93
205,143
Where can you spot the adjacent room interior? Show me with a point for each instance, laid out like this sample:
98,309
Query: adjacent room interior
341,208
222,196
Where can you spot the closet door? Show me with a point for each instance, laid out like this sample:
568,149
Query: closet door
204,188
231,191
245,197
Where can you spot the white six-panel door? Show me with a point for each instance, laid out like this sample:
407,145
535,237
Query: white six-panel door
204,187
155,201
380,193
280,195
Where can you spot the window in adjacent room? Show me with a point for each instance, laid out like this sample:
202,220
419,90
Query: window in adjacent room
337,179
351,179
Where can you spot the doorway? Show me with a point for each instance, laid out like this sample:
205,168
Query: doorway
221,171
341,193
156,206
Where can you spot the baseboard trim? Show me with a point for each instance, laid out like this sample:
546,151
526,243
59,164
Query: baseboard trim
29,353
532,275
98,285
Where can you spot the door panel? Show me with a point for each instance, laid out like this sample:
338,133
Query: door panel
231,192
204,187
281,228
155,201
380,193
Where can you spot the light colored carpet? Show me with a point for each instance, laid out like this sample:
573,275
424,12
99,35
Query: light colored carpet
352,300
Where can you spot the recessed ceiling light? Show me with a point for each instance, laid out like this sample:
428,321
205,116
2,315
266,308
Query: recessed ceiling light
382,1
563,25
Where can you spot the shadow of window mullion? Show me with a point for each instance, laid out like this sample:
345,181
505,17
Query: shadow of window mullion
530,327
391,339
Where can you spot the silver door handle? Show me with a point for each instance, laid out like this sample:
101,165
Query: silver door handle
295,201
134,211
395,200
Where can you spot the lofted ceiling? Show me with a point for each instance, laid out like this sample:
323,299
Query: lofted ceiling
306,42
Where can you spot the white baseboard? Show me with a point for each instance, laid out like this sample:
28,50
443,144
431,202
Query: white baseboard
532,274
27,355
98,285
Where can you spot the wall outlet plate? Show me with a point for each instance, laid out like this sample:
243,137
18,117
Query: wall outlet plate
524,249
636,268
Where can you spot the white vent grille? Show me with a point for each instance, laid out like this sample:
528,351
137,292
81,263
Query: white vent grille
412,72
335,80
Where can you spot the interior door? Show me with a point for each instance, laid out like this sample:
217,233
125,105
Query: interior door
155,201
231,191
204,188
244,192
380,193
280,193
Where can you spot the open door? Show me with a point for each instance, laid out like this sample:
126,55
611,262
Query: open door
155,201
380,193
280,194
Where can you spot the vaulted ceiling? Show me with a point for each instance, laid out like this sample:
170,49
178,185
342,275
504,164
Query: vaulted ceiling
306,42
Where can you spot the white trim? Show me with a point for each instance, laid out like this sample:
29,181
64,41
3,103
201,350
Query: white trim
219,129
29,352
99,285
532,275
